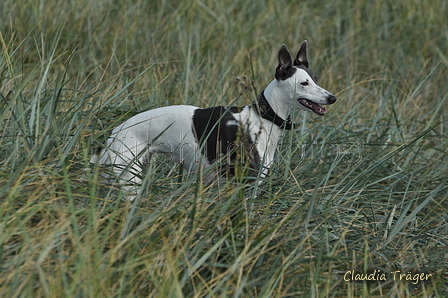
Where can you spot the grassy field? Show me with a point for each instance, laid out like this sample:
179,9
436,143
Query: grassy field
361,193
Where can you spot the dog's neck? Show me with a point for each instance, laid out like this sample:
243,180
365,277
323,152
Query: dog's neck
263,108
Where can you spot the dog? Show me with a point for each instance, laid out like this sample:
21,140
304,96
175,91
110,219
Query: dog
200,137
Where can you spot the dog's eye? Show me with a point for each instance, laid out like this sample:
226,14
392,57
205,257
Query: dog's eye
304,83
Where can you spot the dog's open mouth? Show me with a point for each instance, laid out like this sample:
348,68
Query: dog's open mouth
316,108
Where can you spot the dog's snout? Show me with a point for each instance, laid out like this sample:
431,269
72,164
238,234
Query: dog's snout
331,99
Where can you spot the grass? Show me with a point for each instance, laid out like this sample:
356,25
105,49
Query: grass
362,190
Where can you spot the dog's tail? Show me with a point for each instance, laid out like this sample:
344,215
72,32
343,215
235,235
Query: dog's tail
96,155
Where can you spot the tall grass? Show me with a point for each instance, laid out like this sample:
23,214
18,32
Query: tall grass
362,189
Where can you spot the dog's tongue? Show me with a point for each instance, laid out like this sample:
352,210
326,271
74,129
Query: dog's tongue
316,108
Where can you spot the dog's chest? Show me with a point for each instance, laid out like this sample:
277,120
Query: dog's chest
223,132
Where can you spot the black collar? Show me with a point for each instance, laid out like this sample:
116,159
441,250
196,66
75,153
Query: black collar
263,108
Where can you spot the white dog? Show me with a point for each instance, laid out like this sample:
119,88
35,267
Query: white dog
199,137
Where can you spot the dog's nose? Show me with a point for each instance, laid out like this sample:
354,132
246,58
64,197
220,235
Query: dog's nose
331,99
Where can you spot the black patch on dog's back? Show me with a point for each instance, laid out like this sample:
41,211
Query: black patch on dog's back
217,131
212,132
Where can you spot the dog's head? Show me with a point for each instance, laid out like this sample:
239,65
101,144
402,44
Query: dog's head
295,79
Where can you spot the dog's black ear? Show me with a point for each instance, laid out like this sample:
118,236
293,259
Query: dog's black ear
302,55
284,64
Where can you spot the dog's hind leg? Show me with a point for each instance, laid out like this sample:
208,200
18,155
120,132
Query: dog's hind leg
128,158
131,175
